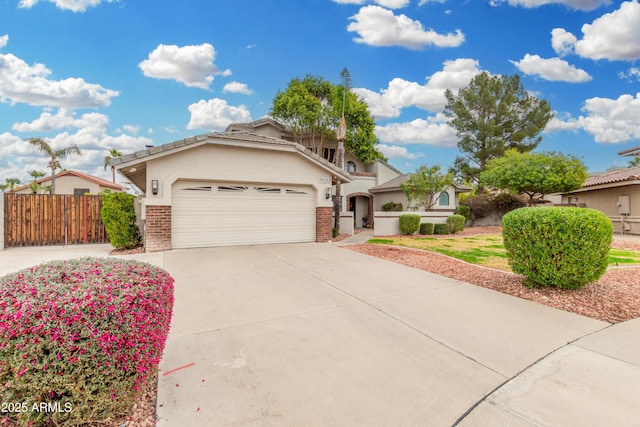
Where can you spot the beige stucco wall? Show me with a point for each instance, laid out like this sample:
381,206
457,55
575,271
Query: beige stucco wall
399,196
606,199
235,164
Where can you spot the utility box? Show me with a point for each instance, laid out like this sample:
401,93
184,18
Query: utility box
623,205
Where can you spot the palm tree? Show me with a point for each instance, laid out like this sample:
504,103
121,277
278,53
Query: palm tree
54,155
113,153
635,161
34,186
12,182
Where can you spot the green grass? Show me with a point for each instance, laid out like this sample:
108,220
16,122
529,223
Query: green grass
487,250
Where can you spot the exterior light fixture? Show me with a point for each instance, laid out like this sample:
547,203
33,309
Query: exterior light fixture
327,193
154,186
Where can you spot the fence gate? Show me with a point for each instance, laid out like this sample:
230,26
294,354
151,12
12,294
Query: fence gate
44,219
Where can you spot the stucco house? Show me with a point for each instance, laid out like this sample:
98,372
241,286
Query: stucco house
232,188
616,193
73,183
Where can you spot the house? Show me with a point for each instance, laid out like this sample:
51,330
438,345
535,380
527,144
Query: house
71,182
616,193
372,184
232,188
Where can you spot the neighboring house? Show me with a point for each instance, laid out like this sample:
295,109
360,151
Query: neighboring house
232,188
71,182
616,193
446,201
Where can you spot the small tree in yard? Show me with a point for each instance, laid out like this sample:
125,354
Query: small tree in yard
119,217
535,174
423,187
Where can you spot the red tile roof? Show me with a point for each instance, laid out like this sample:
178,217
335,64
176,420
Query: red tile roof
620,175
95,179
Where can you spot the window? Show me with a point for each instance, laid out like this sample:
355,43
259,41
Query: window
205,188
267,189
80,191
231,188
443,200
329,154
350,166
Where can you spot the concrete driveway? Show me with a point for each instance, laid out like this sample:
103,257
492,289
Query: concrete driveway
316,335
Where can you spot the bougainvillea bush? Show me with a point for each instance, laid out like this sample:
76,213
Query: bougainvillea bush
80,338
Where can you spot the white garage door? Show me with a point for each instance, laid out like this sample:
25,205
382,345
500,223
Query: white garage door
225,214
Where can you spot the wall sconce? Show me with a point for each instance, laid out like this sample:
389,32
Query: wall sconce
327,193
154,187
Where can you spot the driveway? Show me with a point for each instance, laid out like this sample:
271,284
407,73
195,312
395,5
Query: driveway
316,335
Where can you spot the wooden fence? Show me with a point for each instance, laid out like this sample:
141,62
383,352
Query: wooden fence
43,219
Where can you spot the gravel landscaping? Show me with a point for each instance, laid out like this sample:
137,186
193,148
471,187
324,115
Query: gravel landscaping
614,298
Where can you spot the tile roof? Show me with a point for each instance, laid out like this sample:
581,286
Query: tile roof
633,151
620,175
95,179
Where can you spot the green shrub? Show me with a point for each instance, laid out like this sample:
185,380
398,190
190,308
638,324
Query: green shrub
83,335
409,223
463,210
456,223
392,207
440,228
480,206
334,232
506,202
119,218
563,247
426,228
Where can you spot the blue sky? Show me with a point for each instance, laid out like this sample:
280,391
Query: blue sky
123,74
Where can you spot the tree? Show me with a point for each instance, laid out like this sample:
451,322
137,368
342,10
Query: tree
54,157
9,183
312,108
535,174
425,185
491,115
34,186
635,161
113,153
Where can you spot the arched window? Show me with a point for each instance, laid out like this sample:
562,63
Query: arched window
443,200
350,166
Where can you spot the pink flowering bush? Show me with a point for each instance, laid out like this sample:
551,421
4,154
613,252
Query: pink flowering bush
79,339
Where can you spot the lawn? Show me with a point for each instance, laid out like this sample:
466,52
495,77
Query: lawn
486,250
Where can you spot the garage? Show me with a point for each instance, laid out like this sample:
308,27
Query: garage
231,188
208,214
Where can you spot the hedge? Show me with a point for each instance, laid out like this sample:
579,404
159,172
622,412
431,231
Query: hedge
556,246
441,228
119,217
83,335
426,228
409,223
456,223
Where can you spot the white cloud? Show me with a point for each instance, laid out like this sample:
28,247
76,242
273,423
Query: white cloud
235,87
610,121
553,69
377,26
613,36
563,42
432,131
4,40
132,129
191,65
216,114
395,152
583,5
401,93
72,5
633,74
29,84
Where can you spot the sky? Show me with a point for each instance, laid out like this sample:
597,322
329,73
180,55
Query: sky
120,74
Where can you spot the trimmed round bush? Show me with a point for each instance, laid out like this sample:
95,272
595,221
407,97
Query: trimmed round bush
83,336
456,223
409,223
392,207
426,228
557,246
440,229
463,210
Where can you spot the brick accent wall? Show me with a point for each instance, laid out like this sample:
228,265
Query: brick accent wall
158,228
324,224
